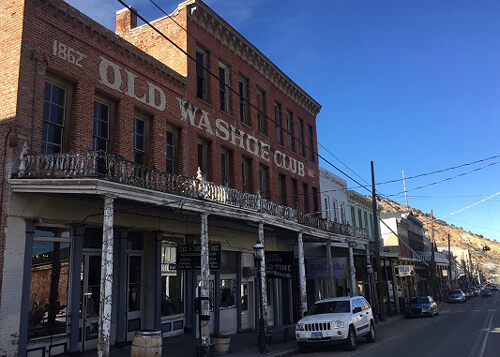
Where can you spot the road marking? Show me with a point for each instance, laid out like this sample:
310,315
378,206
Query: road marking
477,349
476,310
460,310
492,310
444,311
483,346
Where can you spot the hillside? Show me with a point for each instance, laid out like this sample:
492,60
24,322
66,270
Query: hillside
459,237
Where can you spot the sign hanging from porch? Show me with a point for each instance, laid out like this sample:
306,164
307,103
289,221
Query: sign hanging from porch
318,268
189,256
279,265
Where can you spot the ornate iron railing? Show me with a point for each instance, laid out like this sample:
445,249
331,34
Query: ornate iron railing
98,164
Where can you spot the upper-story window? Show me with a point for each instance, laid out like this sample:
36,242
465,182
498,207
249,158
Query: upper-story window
289,129
139,141
305,197
224,90
302,150
201,74
261,116
172,160
277,121
295,194
282,190
243,91
54,117
328,214
225,166
311,143
102,119
315,200
353,216
342,212
335,207
203,157
360,222
264,181
245,175
366,219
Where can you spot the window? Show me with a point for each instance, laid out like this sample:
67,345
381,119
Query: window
245,175
224,88
335,206
327,214
305,196
353,216
360,222
295,194
225,161
302,151
289,128
243,90
139,141
311,143
342,212
201,74
372,232
315,200
277,121
171,151
50,265
203,157
227,293
282,189
100,139
54,115
261,116
172,299
366,220
264,182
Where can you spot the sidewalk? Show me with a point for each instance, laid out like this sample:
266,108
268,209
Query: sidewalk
242,344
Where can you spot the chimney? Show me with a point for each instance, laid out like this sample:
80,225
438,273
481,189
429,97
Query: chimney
125,21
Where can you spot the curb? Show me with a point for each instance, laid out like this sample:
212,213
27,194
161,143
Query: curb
283,353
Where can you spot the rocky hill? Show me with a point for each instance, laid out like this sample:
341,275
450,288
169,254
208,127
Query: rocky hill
459,237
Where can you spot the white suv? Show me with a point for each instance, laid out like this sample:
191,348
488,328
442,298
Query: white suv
336,320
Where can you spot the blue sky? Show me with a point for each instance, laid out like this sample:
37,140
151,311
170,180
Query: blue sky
410,85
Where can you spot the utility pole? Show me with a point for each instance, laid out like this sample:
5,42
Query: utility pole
449,259
433,262
380,289
404,189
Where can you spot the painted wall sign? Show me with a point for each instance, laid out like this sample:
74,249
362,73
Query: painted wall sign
404,270
238,137
318,268
279,264
189,256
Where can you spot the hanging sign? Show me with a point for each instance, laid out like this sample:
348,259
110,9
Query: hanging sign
318,268
189,256
279,265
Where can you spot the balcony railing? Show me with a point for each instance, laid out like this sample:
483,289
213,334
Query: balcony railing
100,165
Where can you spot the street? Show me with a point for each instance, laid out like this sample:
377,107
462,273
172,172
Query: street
469,330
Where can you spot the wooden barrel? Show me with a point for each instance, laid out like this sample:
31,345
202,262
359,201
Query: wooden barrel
221,345
146,343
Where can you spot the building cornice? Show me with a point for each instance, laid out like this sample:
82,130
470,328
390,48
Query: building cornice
202,15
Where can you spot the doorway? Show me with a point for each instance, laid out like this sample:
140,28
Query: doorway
135,294
246,307
90,291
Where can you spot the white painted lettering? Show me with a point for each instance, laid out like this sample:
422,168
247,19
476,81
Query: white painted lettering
131,87
205,123
103,72
222,129
153,90
301,168
237,135
264,153
255,149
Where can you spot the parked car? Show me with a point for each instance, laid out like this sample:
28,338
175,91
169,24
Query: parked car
469,294
486,292
457,295
421,306
494,287
476,291
336,320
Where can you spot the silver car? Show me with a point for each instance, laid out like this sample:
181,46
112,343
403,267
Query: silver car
457,295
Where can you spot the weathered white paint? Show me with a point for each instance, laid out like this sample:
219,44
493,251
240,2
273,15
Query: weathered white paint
205,279
263,273
352,272
105,303
238,137
302,275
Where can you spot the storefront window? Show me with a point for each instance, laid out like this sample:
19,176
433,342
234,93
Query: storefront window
49,282
171,281
227,293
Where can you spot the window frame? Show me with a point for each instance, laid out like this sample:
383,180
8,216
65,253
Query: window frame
136,151
245,175
305,197
312,154
282,191
261,113
111,113
302,151
277,122
225,166
289,128
264,182
243,85
201,74
174,162
224,89
295,193
204,159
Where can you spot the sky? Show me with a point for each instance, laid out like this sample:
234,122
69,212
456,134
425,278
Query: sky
410,85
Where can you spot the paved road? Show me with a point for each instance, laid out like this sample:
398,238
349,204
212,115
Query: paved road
461,330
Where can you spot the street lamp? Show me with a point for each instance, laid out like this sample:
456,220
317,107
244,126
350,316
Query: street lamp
259,256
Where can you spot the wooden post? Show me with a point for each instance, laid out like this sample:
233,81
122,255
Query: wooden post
302,276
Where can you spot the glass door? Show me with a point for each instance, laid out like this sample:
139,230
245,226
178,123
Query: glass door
135,294
89,300
246,310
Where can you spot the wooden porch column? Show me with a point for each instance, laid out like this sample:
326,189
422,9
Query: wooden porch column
263,273
302,276
331,288
352,271
205,281
105,302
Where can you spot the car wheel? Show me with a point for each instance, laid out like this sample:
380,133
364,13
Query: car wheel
303,348
371,335
437,313
351,339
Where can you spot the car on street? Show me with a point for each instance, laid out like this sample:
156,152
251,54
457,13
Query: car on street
494,287
469,294
421,306
456,295
336,320
486,292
